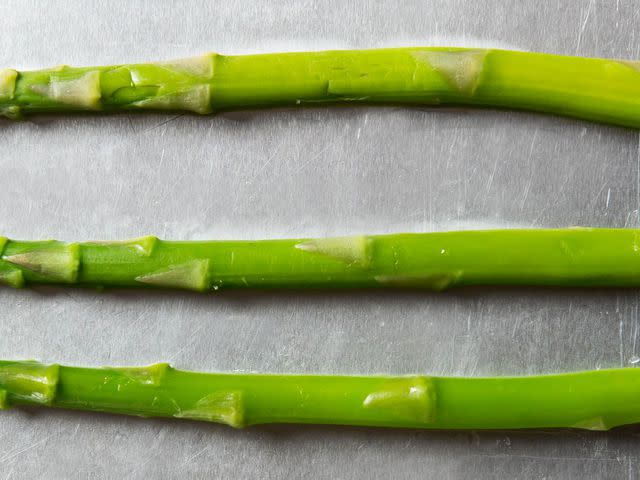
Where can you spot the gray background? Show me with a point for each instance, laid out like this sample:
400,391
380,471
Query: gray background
321,171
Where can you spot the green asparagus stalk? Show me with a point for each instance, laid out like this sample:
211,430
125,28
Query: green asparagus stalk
594,400
436,261
603,90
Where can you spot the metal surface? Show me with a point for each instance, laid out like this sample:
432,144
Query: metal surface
306,173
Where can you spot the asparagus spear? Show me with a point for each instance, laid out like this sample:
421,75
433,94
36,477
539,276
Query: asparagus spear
603,90
594,400
436,261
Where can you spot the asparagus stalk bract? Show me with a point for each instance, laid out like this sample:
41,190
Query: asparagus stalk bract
594,400
435,261
605,90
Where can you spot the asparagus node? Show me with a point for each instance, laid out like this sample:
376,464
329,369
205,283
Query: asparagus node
592,400
433,261
605,90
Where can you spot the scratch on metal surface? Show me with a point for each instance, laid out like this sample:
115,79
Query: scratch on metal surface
131,124
490,181
516,325
559,192
620,330
158,125
511,456
186,345
16,453
594,201
566,181
196,455
139,318
525,195
427,203
527,189
266,163
627,220
312,158
584,25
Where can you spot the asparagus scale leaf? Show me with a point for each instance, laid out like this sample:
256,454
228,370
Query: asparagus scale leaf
594,400
604,90
435,261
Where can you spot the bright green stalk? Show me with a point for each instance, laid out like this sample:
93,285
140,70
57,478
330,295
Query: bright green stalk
436,261
595,400
595,89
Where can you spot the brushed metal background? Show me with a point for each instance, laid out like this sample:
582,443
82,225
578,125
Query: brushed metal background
321,171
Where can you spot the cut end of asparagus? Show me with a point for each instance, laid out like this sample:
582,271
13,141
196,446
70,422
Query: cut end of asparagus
58,262
218,407
7,84
357,250
28,382
192,275
411,398
143,246
461,69
436,283
150,375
